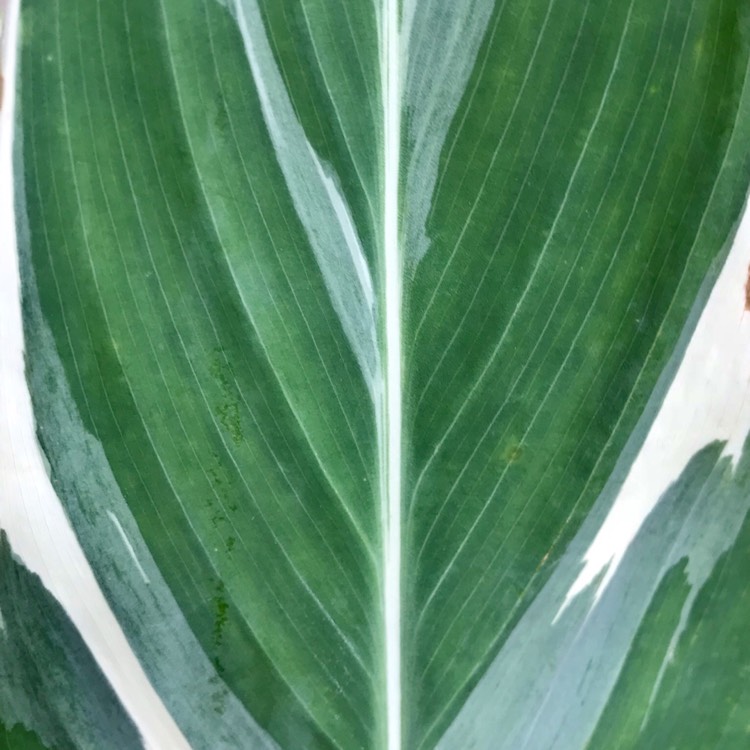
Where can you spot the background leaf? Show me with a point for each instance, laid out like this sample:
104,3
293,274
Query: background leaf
52,693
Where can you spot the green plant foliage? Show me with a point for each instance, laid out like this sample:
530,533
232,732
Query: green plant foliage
207,264
53,695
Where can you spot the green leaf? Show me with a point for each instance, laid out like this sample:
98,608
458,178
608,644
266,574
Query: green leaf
346,323
53,695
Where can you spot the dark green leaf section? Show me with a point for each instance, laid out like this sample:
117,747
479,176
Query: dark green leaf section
575,218
19,739
52,693
179,670
200,345
686,680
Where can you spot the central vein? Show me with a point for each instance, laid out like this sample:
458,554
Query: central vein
392,397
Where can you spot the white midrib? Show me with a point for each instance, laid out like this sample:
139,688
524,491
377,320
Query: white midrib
390,480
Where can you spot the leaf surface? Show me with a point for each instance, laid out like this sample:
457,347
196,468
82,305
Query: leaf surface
340,319
53,696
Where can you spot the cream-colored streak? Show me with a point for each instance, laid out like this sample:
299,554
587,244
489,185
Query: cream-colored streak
128,545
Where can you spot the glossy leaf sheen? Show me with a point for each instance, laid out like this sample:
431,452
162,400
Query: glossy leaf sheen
202,204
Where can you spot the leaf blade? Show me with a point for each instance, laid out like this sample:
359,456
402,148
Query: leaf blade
233,379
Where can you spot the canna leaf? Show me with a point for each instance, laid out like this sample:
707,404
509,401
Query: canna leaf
347,324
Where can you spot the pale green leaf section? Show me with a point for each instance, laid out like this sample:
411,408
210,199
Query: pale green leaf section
346,321
317,199
440,47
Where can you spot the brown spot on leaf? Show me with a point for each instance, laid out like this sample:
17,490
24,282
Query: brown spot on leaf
747,290
513,453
